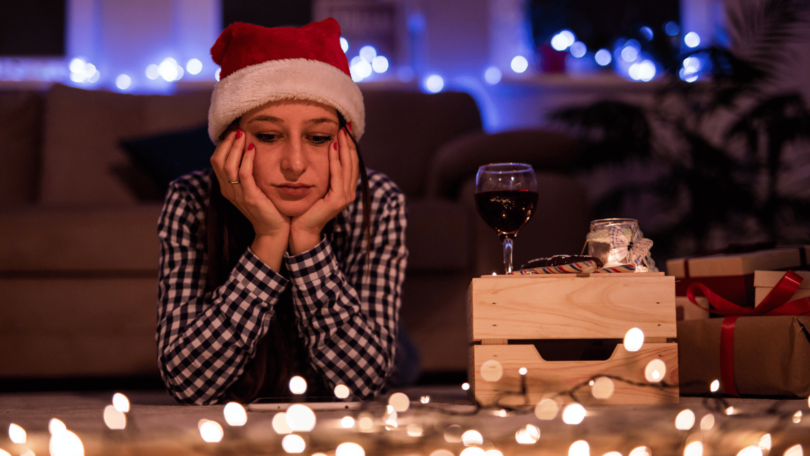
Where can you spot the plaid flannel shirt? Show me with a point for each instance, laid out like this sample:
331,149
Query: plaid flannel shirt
346,302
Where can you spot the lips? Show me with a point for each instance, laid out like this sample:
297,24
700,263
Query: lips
294,190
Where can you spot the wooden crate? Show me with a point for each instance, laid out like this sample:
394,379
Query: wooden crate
503,310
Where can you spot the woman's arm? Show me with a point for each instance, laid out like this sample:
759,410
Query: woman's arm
348,313
204,341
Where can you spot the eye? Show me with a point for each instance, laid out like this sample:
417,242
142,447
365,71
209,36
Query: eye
320,139
267,137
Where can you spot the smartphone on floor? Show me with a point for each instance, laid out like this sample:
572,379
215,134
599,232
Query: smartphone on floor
264,404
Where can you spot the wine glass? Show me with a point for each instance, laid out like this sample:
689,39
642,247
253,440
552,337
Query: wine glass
506,197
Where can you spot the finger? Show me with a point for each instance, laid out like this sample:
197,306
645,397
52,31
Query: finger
248,184
350,167
234,159
335,170
221,152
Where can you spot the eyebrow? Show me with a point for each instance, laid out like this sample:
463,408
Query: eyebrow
273,119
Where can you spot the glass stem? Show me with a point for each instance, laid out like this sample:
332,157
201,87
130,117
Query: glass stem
507,254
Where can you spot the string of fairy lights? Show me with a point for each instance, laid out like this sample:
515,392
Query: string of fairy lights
296,423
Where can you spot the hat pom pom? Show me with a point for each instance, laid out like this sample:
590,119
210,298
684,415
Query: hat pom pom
220,47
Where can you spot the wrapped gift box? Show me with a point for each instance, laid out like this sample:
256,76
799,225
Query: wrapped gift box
771,356
764,281
730,275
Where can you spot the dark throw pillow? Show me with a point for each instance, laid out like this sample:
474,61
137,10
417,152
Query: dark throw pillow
163,159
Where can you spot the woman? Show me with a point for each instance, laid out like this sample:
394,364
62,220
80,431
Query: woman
287,258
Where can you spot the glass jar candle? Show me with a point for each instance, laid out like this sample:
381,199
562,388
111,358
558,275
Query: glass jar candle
610,240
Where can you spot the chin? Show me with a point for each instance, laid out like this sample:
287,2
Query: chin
292,208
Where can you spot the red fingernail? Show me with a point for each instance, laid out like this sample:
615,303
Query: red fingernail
250,147
349,124
334,145
238,134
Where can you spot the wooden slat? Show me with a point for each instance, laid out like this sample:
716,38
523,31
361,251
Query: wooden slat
549,377
494,341
567,307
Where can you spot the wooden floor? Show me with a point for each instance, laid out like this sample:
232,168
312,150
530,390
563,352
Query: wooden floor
157,425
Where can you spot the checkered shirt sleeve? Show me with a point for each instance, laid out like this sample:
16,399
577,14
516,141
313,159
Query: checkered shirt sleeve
205,340
348,311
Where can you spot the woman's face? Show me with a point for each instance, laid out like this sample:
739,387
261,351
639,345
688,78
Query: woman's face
292,140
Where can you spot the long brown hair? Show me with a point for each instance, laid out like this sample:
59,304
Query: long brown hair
227,234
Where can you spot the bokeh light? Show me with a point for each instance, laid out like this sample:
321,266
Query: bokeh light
634,340
795,450
578,49
647,33
546,409
342,391
603,388
344,44
685,420
235,414
579,448
527,435
211,431
123,82
750,451
765,442
368,53
349,449
472,437
56,425
519,64
299,417
707,422
694,449
655,371
379,64
280,424
114,418
603,57
473,451
492,75
639,451
17,434
65,443
298,385
672,28
573,414
293,444
168,69
347,422
692,40
153,72
194,66
399,401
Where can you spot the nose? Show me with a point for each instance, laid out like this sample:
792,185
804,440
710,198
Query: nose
293,161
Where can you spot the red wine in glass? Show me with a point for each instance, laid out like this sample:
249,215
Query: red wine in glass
506,198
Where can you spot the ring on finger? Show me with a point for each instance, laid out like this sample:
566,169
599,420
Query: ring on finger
233,182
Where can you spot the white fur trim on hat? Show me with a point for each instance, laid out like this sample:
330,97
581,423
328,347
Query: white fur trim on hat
296,79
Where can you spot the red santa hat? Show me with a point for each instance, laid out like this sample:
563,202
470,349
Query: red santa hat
260,64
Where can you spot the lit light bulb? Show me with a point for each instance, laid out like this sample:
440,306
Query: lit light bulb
424,399
797,417
750,451
655,371
493,452
707,422
114,419
527,435
65,443
694,449
77,65
578,49
685,420
415,430
342,391
639,451
795,450
714,386
473,451
292,443
399,402
523,371
347,422
344,44
465,386
210,431
168,69
442,452
365,423
730,410
299,417
56,425
573,414
298,385
634,340
349,449
491,370
280,424
17,434
235,414
765,442
472,437
603,388
579,448
546,409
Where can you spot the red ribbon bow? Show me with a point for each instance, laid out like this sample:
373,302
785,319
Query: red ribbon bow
775,303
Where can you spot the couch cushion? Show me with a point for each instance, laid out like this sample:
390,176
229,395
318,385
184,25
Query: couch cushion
439,236
76,241
83,129
21,118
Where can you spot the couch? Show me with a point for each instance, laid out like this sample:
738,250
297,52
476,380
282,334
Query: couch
78,256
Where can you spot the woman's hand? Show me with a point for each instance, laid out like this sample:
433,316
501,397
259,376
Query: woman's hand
271,227
305,230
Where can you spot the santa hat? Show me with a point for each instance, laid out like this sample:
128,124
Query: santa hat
260,64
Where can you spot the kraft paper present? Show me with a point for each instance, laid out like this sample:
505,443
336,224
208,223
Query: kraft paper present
771,356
